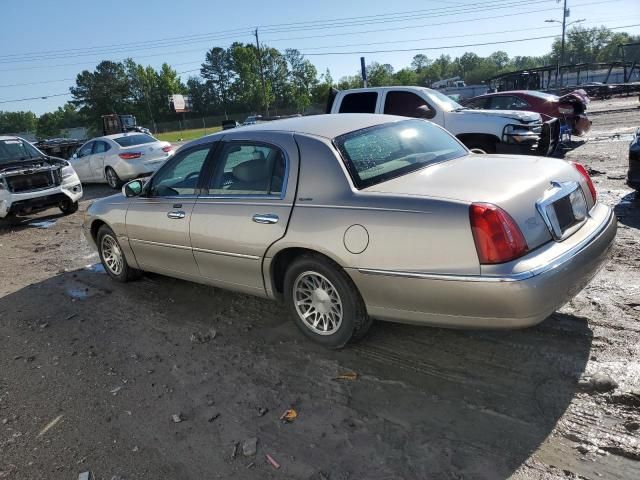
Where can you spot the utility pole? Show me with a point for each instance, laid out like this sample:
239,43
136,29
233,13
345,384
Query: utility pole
264,86
564,26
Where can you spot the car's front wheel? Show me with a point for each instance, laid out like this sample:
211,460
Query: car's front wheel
112,256
68,207
112,178
325,304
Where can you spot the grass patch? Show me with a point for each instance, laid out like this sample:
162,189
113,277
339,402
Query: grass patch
186,135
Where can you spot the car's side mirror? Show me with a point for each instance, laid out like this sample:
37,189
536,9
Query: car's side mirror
424,111
75,155
132,188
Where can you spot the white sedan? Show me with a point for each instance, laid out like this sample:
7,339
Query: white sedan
117,158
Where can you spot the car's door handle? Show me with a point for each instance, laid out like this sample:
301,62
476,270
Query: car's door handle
265,218
176,214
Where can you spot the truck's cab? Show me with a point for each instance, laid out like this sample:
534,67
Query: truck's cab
482,131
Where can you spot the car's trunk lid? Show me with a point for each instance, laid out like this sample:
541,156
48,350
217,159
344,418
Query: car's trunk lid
513,183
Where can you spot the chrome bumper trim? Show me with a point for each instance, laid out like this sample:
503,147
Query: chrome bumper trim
515,277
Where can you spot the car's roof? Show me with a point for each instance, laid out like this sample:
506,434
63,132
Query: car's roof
9,137
328,126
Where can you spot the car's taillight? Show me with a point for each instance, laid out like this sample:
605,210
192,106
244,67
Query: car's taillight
167,149
583,171
498,239
129,155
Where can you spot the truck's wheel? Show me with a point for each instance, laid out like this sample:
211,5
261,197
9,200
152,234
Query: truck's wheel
112,178
324,303
481,145
68,207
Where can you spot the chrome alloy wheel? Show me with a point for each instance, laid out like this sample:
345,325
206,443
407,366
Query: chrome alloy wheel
318,303
112,254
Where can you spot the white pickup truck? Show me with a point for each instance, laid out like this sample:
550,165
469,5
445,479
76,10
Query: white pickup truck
482,131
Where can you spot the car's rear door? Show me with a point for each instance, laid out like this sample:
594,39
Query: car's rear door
245,208
158,221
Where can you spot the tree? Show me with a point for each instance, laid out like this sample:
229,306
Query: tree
48,126
379,75
103,91
217,72
406,76
17,122
420,62
197,89
302,77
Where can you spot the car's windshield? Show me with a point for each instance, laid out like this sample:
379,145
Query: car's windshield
131,140
446,103
379,153
16,149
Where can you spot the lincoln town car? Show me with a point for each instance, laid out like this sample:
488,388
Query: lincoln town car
348,218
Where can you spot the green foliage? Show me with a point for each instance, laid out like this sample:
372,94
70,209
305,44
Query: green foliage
17,122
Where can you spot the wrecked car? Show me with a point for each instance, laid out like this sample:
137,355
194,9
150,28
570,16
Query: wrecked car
31,181
569,109
482,131
352,217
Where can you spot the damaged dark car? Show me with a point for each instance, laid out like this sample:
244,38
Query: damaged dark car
31,181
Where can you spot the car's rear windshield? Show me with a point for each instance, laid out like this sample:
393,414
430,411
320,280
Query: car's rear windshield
375,154
16,149
131,140
544,96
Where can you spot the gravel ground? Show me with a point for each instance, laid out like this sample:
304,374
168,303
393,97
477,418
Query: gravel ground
164,379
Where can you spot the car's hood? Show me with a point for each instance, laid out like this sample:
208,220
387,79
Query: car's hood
18,165
521,116
512,182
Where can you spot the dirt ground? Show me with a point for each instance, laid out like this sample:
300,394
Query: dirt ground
164,379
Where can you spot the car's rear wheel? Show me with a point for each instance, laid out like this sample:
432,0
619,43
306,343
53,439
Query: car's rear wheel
68,207
325,304
112,256
112,178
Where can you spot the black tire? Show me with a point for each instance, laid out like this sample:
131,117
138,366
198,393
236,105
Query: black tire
481,145
113,180
9,221
123,274
68,207
354,323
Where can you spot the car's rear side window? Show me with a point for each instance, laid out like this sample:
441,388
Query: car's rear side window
375,154
132,140
362,102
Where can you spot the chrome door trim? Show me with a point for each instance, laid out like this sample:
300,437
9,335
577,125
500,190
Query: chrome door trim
160,244
227,254
176,214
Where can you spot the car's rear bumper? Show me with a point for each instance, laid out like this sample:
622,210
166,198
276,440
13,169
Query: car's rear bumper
130,169
534,287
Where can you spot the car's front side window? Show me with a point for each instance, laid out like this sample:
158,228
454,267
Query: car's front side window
180,175
85,150
248,169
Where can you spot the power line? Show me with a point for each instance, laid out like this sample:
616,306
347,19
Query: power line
331,23
43,97
325,35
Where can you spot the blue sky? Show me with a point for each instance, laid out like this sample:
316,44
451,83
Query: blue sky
51,33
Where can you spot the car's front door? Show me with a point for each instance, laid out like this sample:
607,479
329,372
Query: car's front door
245,208
96,161
158,220
81,162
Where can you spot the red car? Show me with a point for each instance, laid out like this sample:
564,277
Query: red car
570,109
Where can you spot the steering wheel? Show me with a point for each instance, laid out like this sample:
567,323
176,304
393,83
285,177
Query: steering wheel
192,174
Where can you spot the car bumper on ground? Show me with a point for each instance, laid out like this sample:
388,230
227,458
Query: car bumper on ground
541,139
27,202
519,294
